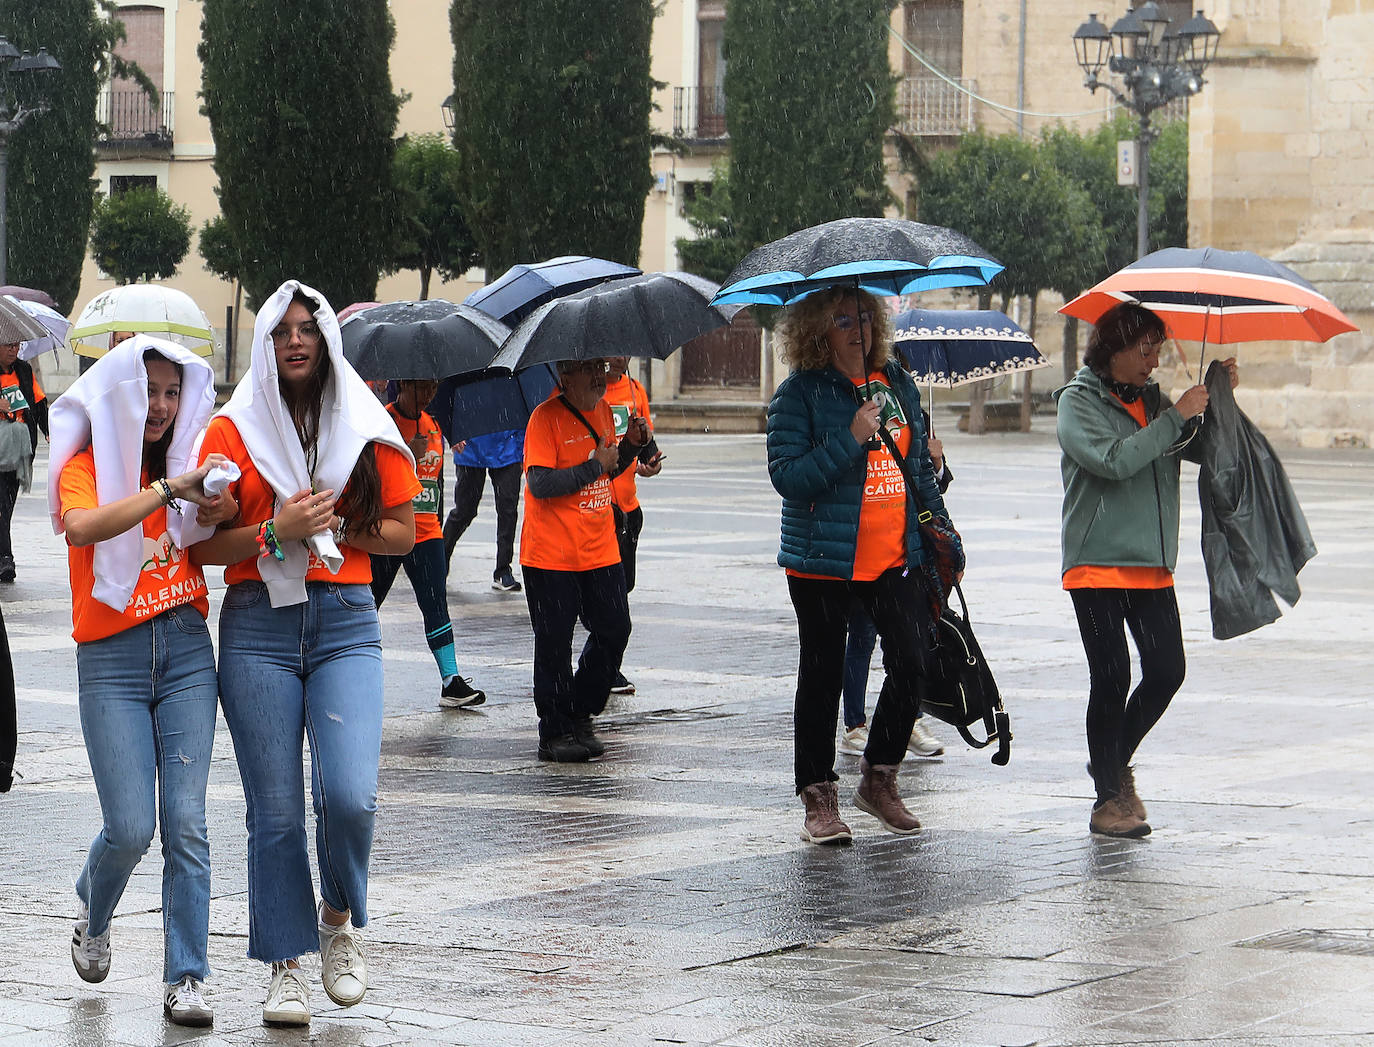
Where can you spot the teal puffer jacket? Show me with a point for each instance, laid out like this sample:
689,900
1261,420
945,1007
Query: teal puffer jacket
1121,492
819,468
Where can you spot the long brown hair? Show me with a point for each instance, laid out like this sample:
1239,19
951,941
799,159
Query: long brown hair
360,502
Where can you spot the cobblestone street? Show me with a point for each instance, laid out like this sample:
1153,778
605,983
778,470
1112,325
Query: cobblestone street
662,896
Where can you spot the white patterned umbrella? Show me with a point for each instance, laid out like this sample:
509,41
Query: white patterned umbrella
142,309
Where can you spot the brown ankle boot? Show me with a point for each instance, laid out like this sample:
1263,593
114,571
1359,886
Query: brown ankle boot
1114,817
1129,794
877,795
823,824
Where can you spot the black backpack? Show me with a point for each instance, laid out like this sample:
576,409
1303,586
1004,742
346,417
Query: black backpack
960,687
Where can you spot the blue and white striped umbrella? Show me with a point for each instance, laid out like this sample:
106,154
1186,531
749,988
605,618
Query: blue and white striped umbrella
949,347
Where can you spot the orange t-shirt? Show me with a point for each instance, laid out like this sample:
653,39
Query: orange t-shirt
12,403
168,579
257,503
1099,576
429,468
572,532
626,397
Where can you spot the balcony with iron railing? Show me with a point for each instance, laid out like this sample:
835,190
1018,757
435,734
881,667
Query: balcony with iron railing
699,113
129,119
927,105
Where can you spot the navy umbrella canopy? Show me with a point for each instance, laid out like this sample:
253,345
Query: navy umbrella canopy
949,347
429,339
523,288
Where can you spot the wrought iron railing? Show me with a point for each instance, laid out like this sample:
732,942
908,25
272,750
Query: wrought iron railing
927,105
699,113
130,116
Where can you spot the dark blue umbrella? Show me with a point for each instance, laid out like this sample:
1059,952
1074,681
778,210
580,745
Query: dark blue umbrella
887,256
949,347
523,288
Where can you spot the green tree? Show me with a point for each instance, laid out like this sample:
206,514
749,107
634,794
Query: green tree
142,234
51,163
551,102
433,233
809,98
716,248
302,110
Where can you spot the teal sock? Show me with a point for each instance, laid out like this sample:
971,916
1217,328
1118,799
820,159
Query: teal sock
447,659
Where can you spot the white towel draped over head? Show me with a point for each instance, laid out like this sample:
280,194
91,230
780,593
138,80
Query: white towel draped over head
350,418
106,408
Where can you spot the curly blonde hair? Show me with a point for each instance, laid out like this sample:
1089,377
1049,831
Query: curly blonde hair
803,327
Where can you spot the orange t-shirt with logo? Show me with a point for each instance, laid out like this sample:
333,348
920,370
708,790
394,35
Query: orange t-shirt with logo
571,532
626,397
168,578
1101,576
257,502
429,469
12,403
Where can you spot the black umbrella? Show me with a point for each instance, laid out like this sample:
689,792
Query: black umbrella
429,339
649,315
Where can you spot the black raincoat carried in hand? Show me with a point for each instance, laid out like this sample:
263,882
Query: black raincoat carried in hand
1255,538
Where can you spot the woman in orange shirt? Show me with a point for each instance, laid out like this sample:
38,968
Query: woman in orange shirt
326,481
143,654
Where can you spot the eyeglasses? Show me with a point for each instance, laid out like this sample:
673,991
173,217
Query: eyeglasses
308,332
846,322
594,366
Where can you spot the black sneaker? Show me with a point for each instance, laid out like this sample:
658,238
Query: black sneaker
622,685
582,731
563,749
6,568
505,582
459,693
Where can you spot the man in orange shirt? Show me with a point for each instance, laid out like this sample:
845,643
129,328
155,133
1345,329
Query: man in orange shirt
22,402
629,400
570,557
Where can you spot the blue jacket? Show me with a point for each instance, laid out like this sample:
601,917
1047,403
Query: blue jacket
493,450
819,468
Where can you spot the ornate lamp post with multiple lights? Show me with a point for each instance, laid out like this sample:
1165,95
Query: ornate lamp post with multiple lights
1156,64
25,81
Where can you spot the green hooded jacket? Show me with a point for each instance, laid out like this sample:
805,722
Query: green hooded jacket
1120,488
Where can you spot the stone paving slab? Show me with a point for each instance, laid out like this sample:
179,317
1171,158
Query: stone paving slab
662,895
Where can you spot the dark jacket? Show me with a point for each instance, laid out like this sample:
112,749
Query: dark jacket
1254,536
819,468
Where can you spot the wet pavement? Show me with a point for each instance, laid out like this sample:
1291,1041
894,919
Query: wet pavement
662,895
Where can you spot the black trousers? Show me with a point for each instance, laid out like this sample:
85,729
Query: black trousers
1117,722
556,600
897,605
467,496
9,495
627,528
9,719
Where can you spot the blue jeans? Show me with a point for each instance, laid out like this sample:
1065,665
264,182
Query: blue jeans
311,670
147,702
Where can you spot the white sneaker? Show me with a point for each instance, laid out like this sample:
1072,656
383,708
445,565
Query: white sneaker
854,740
288,997
923,743
343,968
90,953
184,1003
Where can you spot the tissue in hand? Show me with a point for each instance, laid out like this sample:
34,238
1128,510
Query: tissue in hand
219,477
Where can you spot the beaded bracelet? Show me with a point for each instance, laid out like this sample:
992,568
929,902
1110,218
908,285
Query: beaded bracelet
267,541
164,491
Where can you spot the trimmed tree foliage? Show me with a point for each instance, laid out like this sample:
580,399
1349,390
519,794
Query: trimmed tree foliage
551,100
809,96
51,191
142,234
301,106
433,234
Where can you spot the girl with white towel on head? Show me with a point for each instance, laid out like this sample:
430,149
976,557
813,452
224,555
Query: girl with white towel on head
326,481
119,485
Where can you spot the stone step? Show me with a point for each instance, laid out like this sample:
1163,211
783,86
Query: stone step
709,416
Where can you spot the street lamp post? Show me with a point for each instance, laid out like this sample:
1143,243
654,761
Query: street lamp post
24,85
1156,64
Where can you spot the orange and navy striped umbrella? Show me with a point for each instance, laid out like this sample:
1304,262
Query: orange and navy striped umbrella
1218,297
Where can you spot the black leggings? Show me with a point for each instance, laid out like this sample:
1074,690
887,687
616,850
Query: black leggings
1118,724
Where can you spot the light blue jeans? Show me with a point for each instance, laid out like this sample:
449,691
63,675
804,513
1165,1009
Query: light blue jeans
312,670
147,701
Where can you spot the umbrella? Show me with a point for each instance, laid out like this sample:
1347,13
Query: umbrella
427,339
150,308
357,307
474,405
880,255
29,294
523,288
647,315
1223,297
949,347
56,324
16,325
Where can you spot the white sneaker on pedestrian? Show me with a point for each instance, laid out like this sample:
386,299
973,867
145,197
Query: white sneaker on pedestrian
923,743
854,739
184,1004
90,953
343,968
288,997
